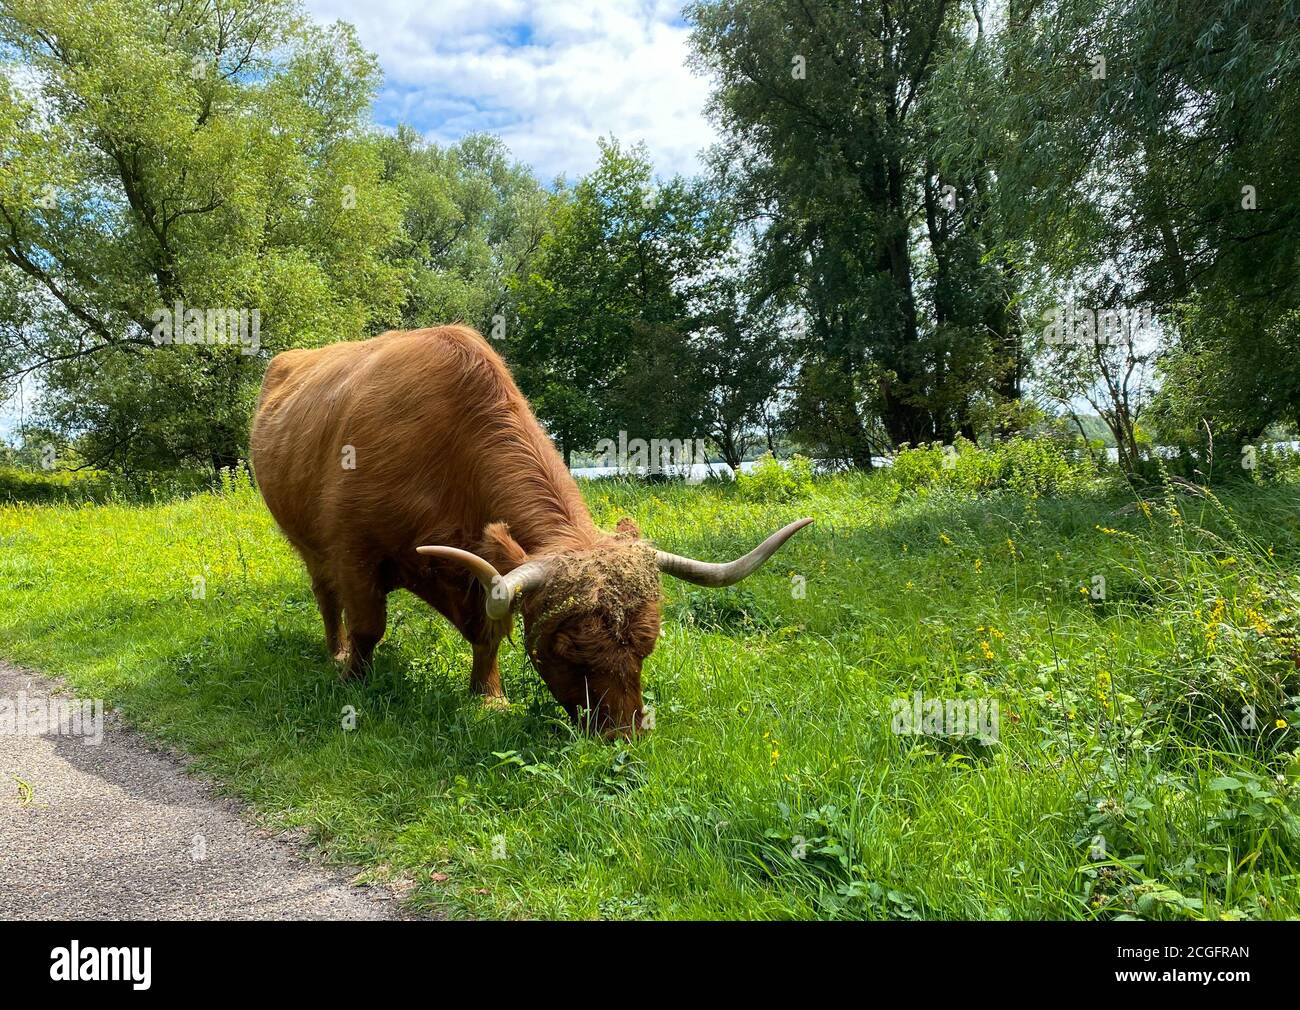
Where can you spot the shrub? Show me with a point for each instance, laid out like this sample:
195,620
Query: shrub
919,467
1036,467
774,481
1276,464
47,487
1042,467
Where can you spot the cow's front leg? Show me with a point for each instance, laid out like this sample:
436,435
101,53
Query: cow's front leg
365,608
331,612
485,678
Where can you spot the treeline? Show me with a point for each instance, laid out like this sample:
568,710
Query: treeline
924,220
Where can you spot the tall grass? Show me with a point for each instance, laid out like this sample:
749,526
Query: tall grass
1145,763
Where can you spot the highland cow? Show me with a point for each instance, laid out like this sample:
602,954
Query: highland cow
412,461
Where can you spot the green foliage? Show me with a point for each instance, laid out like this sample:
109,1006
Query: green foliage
739,353
1232,368
34,486
607,312
771,480
1192,129
473,221
729,610
20,484
1036,467
829,115
153,154
863,268
1276,464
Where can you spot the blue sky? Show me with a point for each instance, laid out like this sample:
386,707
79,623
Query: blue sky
548,77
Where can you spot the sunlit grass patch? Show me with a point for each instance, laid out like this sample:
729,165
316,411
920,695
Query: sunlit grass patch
1145,760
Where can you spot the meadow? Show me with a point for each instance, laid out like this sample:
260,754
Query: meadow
1145,761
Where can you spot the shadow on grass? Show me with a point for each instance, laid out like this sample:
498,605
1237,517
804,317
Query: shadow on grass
249,691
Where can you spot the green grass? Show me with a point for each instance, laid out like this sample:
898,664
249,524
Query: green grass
1119,718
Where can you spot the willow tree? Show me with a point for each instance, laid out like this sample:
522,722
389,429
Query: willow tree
1155,167
828,114
157,156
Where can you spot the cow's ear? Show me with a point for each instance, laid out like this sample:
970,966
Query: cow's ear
626,527
500,548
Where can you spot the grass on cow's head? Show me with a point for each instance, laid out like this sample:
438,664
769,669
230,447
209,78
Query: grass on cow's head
615,579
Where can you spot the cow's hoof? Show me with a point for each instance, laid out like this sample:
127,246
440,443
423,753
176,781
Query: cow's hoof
497,701
350,670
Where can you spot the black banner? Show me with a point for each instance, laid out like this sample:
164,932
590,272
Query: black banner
371,959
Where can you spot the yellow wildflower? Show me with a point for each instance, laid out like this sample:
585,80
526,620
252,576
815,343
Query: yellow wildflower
1212,624
1103,688
1258,621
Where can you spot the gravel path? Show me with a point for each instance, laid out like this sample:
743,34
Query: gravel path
112,831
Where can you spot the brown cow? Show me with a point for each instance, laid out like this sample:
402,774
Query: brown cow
412,461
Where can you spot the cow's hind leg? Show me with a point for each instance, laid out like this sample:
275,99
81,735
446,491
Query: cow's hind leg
365,607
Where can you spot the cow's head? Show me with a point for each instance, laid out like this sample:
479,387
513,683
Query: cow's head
591,616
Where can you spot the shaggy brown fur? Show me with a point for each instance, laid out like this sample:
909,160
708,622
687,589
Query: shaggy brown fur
448,452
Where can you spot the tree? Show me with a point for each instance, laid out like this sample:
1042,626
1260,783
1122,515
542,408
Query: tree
606,313
1110,371
741,353
473,222
164,154
1230,375
1157,144
828,113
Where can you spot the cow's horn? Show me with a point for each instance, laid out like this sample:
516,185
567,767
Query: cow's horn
501,589
704,573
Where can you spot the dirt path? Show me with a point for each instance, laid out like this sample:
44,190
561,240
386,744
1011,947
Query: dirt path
119,831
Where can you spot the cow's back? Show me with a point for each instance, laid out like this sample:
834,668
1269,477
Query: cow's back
364,447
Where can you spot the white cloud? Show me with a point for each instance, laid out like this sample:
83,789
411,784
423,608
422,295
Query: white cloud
549,78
